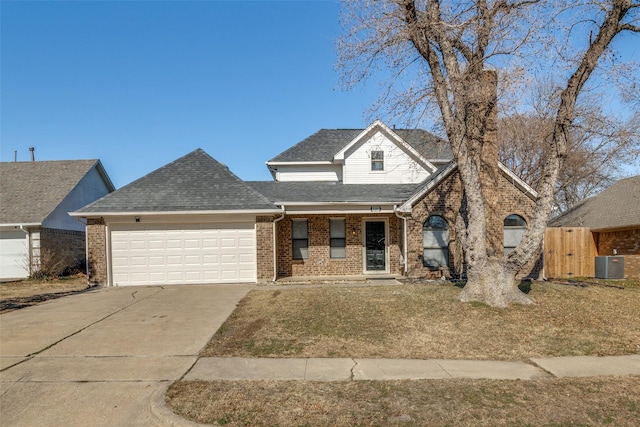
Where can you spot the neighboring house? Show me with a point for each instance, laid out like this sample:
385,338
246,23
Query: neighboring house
613,219
35,198
374,201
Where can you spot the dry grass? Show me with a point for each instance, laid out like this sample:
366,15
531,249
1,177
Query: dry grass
555,402
427,321
23,293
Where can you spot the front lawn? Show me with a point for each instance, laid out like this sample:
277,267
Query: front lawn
422,321
426,321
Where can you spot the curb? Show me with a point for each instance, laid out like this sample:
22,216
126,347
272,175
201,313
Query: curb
161,415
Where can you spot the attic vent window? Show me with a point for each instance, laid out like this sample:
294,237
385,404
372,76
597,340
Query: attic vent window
377,160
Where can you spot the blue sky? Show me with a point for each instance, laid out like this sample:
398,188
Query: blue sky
138,84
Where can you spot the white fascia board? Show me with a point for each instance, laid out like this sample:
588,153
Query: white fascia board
166,213
21,224
340,154
339,157
337,209
407,206
288,204
533,194
324,162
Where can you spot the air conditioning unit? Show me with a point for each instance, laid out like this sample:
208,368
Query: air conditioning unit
609,267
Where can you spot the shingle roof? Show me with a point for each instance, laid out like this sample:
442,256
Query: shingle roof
616,207
30,191
195,182
324,144
333,192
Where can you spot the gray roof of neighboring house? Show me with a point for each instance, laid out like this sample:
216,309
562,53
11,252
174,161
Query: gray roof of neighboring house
31,191
324,144
195,182
616,207
333,192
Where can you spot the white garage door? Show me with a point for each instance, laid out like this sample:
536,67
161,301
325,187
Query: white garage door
154,254
14,252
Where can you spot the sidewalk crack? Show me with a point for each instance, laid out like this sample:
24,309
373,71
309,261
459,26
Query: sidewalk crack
352,376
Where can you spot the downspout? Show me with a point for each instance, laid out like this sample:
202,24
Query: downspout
30,254
275,246
404,239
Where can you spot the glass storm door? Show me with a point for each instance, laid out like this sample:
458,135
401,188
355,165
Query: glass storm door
375,246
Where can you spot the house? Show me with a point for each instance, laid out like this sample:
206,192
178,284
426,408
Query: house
35,198
612,220
343,202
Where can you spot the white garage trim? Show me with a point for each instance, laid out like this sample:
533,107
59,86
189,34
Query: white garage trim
157,254
14,255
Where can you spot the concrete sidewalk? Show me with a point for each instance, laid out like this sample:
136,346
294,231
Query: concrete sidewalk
346,369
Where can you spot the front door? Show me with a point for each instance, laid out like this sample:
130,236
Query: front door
375,250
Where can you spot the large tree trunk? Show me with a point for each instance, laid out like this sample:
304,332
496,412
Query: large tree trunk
493,284
491,279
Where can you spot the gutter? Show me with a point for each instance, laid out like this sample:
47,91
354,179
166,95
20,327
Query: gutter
404,239
160,213
275,243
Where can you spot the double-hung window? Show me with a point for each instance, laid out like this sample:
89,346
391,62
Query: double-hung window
337,238
377,160
300,239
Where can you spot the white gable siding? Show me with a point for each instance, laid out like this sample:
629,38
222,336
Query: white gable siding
309,173
90,188
399,166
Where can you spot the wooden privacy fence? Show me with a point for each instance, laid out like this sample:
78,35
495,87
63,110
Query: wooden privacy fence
569,252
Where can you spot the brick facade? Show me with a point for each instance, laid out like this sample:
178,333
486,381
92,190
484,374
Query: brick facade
445,201
64,248
626,243
319,262
96,251
264,248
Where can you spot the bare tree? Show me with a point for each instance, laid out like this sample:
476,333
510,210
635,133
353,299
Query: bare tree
450,45
600,149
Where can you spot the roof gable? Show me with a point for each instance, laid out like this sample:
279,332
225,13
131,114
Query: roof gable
195,182
392,136
323,145
614,208
31,191
436,178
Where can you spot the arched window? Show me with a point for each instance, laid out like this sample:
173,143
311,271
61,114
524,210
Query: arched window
435,242
514,228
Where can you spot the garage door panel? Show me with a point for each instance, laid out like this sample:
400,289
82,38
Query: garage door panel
245,259
192,260
174,244
244,242
195,253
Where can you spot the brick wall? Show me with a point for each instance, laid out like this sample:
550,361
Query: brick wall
264,248
445,201
96,251
63,247
627,243
319,262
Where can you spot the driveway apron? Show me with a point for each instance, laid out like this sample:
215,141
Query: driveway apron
97,358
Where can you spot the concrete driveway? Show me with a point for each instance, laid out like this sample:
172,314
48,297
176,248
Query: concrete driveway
97,358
